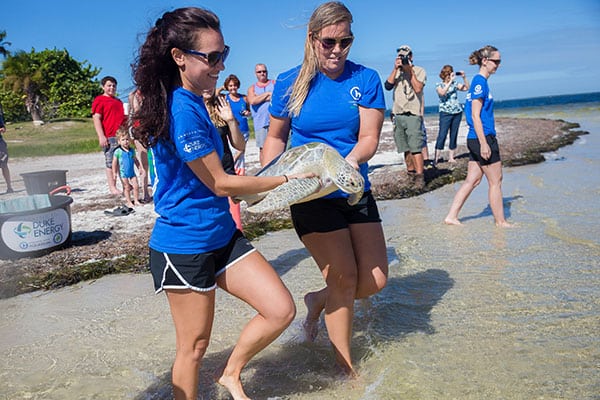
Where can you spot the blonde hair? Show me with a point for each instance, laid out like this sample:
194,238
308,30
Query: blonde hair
123,132
326,14
477,56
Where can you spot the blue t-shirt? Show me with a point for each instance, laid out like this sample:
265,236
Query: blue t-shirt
330,112
126,158
479,89
237,107
192,219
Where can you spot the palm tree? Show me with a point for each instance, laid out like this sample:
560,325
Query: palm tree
3,51
23,75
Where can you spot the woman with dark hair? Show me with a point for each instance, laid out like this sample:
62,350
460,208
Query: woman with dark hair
450,110
484,153
195,246
332,100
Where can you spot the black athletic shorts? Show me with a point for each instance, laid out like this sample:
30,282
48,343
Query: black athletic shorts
475,150
328,215
196,271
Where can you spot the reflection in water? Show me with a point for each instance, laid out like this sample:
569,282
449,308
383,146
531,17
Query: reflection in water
470,311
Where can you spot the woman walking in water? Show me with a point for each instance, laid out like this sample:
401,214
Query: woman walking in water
483,147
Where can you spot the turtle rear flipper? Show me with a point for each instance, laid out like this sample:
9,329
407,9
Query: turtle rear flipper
287,194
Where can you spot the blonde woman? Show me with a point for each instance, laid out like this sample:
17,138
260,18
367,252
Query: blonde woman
332,100
484,152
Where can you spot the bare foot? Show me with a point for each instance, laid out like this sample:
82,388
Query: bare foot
505,224
129,204
311,323
452,160
452,221
233,386
137,203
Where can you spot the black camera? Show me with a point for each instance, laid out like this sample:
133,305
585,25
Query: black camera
458,73
405,59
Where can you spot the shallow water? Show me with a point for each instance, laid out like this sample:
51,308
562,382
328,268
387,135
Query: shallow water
470,312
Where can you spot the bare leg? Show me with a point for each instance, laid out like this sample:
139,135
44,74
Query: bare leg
127,192
451,156
136,190
193,314
409,161
142,154
438,154
354,264
474,175
419,166
112,184
6,175
315,304
253,280
493,173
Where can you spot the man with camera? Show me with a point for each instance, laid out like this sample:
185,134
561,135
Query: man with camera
408,81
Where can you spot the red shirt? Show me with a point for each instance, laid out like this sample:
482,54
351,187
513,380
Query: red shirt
112,113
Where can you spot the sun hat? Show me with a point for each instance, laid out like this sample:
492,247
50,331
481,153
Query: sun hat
404,50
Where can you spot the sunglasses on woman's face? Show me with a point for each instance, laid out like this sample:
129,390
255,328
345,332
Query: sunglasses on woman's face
329,43
213,57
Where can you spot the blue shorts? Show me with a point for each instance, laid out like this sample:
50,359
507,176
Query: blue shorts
197,272
328,215
261,135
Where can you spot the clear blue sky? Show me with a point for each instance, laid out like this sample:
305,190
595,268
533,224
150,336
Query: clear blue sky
548,47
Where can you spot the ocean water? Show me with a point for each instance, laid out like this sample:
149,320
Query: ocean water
470,312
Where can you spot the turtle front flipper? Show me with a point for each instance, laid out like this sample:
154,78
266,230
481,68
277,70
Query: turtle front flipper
354,198
287,194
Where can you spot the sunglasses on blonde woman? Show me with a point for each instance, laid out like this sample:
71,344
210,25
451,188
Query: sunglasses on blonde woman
329,43
497,62
213,57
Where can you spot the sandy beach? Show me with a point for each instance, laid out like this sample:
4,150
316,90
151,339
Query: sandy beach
97,236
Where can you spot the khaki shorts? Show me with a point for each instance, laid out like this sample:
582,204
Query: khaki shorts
408,133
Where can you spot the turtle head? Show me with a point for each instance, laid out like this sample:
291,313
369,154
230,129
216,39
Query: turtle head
350,180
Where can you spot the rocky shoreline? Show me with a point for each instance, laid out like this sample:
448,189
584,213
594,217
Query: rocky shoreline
101,245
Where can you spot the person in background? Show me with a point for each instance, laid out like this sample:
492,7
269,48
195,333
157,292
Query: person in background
241,111
142,153
484,153
259,96
108,115
450,110
408,80
124,164
223,118
346,242
4,154
427,163
194,245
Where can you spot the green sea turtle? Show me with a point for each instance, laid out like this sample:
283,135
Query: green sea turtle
332,170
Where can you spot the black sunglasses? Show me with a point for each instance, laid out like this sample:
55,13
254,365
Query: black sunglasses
329,43
497,62
213,57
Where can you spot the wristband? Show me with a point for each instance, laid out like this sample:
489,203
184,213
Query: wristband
286,178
